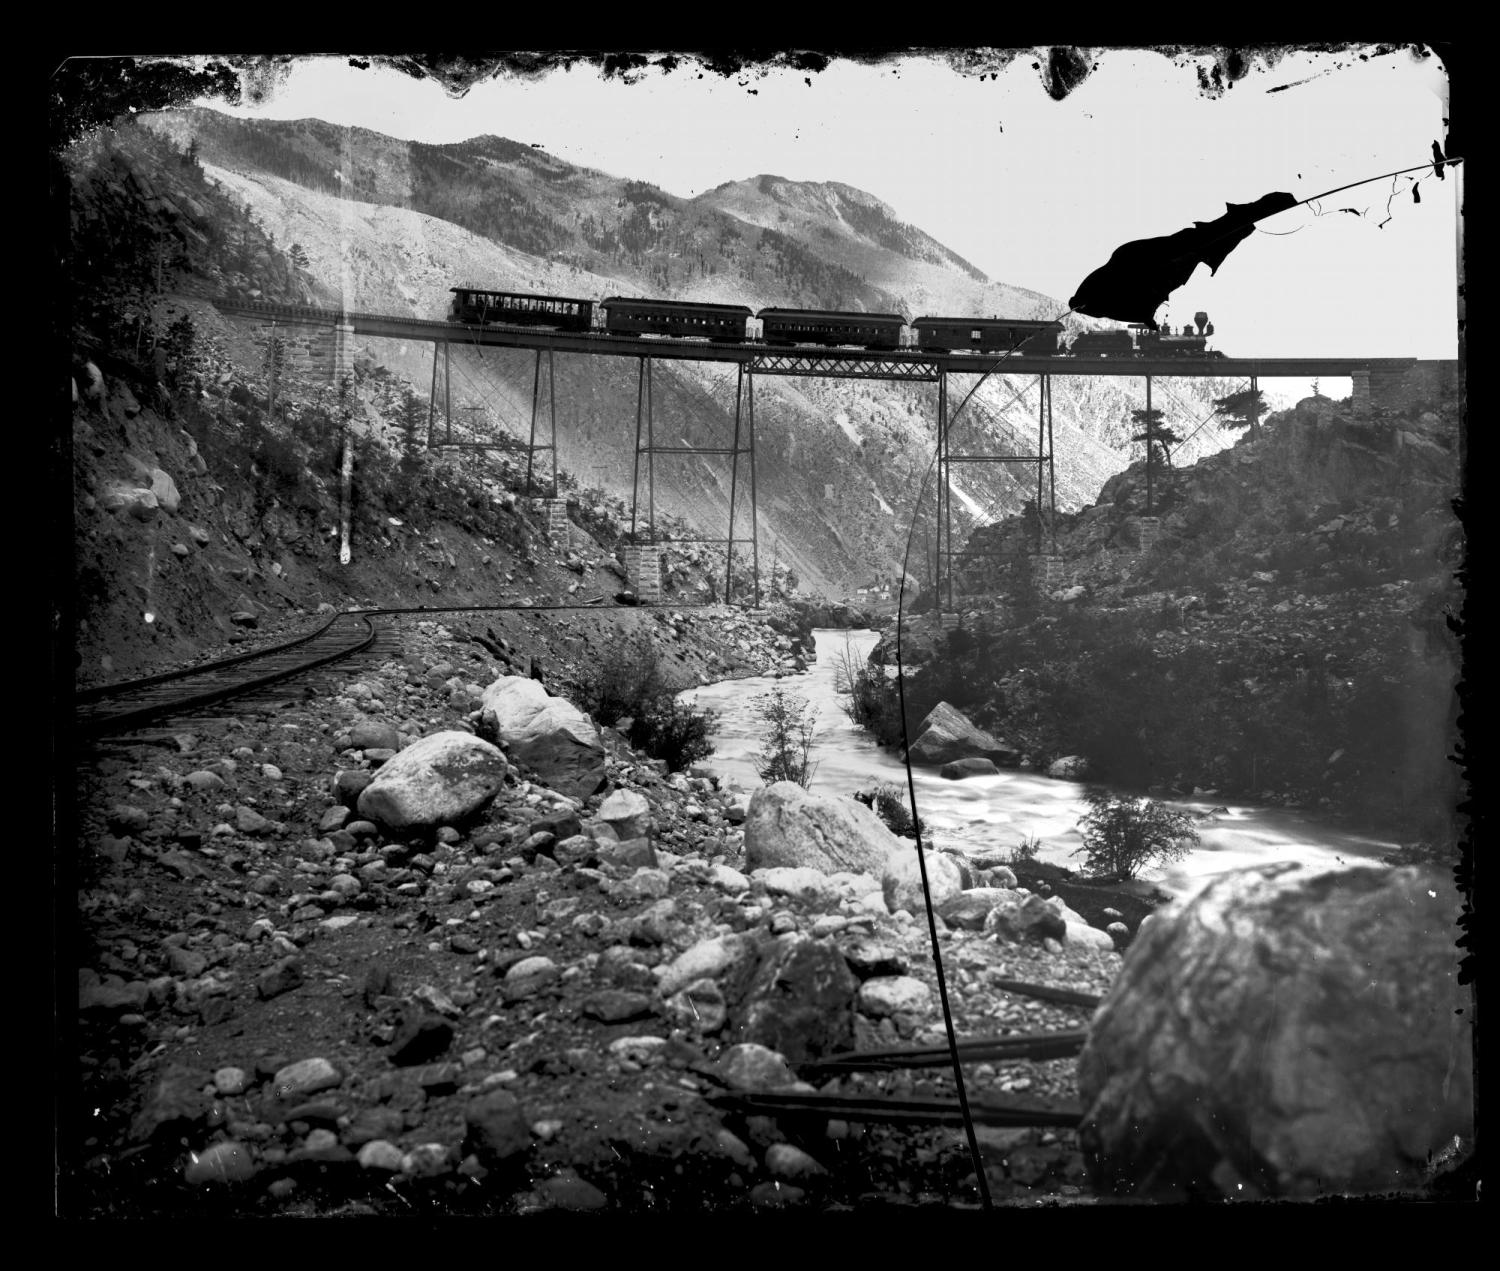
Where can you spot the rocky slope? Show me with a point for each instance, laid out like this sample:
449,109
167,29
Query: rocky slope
283,1009
859,233
194,523
1285,637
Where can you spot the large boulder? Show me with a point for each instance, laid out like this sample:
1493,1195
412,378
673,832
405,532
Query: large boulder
1081,935
372,734
801,1002
901,884
1018,918
708,959
439,780
973,766
1283,1033
969,909
165,490
811,886
1069,768
787,825
946,735
136,501
627,813
550,735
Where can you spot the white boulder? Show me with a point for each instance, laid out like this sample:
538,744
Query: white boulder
889,994
439,780
809,885
901,883
706,960
1081,935
789,826
627,813
165,490
548,734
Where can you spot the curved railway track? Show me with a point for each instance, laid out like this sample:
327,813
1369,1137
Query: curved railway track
114,708
121,707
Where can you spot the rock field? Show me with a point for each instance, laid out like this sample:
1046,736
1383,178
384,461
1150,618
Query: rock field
284,1007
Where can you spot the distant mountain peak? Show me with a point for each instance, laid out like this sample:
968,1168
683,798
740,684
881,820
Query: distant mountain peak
776,202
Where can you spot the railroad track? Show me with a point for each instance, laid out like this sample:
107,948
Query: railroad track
114,708
111,709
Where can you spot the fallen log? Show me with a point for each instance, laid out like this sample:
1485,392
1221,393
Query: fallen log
1047,993
1054,1045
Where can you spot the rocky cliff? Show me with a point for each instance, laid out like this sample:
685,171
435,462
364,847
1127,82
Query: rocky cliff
1282,629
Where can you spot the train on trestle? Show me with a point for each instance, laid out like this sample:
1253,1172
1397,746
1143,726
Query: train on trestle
786,328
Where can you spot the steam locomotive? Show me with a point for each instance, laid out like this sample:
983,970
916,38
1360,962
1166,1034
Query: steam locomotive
736,324
1137,340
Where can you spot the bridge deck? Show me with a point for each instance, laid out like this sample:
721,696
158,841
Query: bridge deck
764,359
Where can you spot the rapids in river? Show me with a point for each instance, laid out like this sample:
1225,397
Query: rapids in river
1013,805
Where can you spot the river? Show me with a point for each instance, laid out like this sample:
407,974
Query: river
1014,805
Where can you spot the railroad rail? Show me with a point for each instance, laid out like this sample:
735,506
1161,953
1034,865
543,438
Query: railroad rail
112,708
115,707
810,360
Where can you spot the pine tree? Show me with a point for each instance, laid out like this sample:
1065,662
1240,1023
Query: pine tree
1243,409
1157,437
179,344
411,416
275,364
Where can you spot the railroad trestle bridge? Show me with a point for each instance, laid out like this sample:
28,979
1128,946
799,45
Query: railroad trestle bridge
1376,382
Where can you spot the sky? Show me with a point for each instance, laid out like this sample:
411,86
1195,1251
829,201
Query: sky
1033,191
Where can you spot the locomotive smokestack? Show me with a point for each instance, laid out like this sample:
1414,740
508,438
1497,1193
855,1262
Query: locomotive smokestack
1201,319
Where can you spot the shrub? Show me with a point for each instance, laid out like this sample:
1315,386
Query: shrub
790,723
1026,851
1123,834
674,733
888,802
281,461
628,682
1425,852
873,701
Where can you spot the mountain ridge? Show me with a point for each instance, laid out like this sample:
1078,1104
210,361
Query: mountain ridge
402,256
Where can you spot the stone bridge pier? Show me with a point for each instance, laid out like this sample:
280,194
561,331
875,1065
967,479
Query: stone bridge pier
1403,383
315,353
643,565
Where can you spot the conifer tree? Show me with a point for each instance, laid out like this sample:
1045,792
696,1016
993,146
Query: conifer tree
1158,438
1243,409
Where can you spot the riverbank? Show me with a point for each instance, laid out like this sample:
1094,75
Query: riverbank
1276,627
277,1019
1014,808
